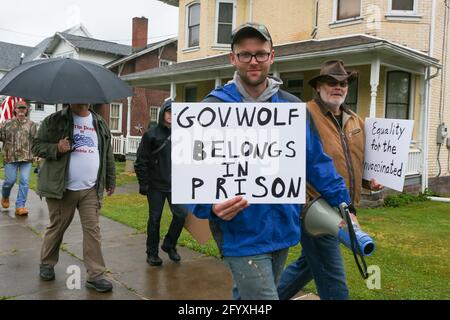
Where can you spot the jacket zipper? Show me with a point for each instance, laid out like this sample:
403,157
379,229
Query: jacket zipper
348,158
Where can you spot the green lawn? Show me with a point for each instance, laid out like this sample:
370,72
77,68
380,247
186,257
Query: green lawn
412,246
122,177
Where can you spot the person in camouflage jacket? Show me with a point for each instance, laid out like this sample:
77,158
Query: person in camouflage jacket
17,136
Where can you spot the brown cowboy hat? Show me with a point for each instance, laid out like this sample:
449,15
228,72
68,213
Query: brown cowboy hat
334,69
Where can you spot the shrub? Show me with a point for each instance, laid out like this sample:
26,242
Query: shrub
402,199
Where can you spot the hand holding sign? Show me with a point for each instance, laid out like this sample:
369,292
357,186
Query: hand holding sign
386,152
227,210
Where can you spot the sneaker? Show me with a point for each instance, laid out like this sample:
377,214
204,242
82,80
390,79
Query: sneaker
154,260
101,285
5,203
46,272
21,211
172,252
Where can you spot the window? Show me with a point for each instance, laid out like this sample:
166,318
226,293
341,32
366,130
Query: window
351,101
398,94
402,7
293,86
347,9
224,20
190,94
39,107
154,111
193,25
163,63
115,117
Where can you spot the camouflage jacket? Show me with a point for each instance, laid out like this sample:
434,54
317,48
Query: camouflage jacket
17,138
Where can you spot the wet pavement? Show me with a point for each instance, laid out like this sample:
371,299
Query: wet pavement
196,277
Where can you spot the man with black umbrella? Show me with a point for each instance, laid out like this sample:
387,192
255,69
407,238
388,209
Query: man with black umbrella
79,164
153,169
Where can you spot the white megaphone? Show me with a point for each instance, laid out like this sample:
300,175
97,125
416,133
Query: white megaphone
320,219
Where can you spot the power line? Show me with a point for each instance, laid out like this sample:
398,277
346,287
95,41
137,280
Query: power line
87,39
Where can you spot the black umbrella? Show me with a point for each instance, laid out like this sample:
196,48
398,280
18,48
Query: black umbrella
64,80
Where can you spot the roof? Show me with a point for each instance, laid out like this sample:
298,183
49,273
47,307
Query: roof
78,28
150,47
96,45
285,52
175,3
10,55
38,49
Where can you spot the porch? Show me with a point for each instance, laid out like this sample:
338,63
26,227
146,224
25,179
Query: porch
393,80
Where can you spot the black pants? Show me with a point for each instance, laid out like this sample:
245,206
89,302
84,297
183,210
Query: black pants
156,201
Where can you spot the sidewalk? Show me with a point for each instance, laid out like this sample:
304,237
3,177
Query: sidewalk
197,277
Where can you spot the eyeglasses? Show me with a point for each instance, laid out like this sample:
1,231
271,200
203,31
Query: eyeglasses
246,57
335,83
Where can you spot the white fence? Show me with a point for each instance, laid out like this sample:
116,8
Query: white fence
124,145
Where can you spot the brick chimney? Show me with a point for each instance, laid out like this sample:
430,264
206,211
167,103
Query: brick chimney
140,33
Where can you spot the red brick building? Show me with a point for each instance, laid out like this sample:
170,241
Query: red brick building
146,102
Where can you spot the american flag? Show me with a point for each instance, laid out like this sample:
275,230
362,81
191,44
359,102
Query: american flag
7,108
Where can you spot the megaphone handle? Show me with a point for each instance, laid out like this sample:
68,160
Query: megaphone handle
352,236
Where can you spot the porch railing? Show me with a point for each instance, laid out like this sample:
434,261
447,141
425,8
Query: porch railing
414,162
118,144
123,145
132,144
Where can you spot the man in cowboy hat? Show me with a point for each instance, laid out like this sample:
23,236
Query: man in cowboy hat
342,134
17,136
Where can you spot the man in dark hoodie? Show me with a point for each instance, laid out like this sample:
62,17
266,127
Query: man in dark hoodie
153,170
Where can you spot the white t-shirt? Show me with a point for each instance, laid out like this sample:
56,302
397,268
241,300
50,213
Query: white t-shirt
84,160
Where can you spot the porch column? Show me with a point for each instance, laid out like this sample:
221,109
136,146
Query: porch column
374,81
218,82
275,71
173,90
129,116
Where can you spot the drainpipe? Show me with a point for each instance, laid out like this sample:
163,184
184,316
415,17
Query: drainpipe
129,116
428,79
438,199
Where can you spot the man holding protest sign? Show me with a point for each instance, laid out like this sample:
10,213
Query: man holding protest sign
254,239
342,135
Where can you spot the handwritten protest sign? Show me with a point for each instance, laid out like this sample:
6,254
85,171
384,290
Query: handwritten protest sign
386,152
223,150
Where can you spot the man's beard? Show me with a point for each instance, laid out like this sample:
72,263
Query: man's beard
334,103
255,82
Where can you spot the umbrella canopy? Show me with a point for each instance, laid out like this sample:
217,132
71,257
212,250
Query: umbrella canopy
64,80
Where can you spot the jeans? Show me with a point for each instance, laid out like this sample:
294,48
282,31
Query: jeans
156,201
320,259
11,169
256,277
